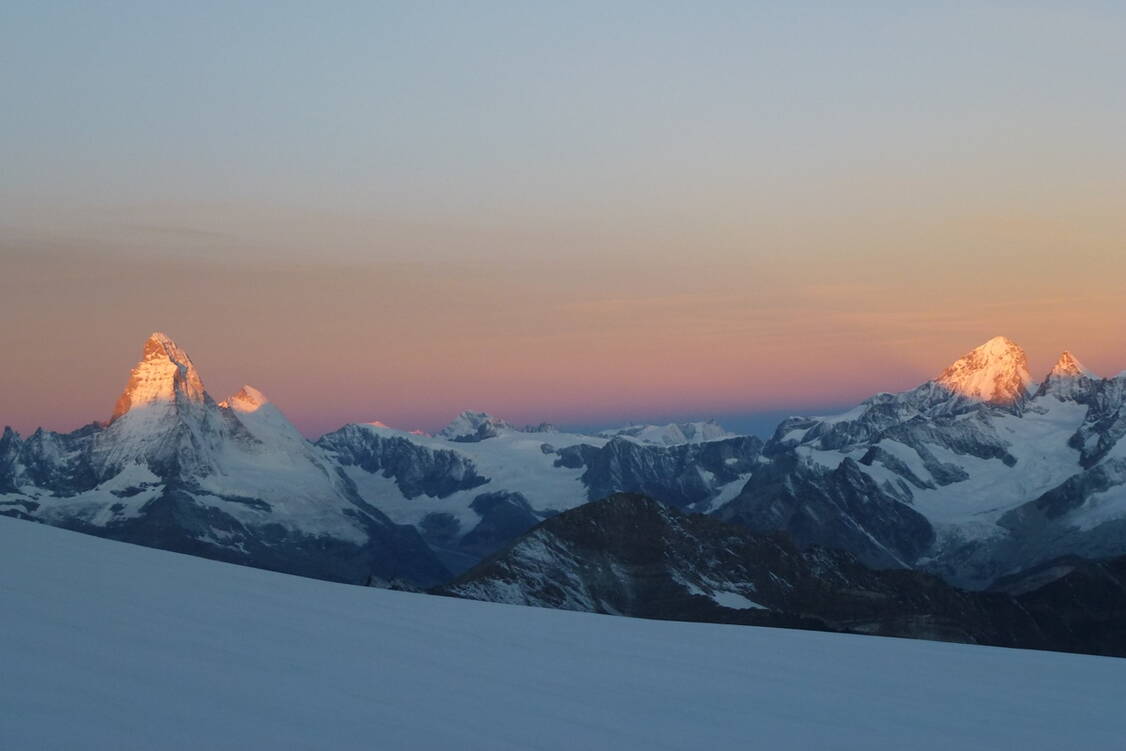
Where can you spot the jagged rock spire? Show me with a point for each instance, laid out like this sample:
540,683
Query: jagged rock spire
165,375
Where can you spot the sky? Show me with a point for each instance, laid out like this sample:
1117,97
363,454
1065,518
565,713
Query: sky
584,213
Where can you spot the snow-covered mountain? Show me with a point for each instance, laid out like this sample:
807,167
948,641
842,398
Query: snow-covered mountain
235,480
995,373
470,427
673,434
111,646
468,498
974,475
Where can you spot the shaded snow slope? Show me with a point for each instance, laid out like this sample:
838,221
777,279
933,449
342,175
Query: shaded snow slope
112,646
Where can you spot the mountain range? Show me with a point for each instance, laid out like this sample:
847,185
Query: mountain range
974,475
977,476
631,555
233,481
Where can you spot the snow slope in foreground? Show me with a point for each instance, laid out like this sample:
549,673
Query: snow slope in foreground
108,645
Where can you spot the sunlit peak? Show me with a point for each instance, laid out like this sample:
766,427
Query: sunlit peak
995,372
247,399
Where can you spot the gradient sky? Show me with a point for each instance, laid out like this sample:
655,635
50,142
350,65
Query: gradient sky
586,213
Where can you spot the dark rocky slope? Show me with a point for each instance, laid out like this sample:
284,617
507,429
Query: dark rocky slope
630,555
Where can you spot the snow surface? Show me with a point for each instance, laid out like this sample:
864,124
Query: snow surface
513,461
1105,506
736,601
970,508
118,498
113,646
726,494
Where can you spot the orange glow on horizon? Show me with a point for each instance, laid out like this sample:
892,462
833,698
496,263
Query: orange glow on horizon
612,335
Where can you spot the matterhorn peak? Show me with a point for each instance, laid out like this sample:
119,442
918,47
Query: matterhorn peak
246,399
995,372
164,375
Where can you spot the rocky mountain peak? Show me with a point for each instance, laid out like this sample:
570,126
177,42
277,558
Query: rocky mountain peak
164,375
1067,379
995,372
1068,366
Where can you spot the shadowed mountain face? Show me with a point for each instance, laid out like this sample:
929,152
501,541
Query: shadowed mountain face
682,475
631,555
839,507
1080,603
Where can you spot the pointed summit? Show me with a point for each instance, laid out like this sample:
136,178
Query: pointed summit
1068,366
246,399
996,373
1067,379
255,412
165,375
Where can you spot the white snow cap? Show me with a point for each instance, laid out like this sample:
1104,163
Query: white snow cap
247,399
996,372
1067,378
469,422
164,374
1068,366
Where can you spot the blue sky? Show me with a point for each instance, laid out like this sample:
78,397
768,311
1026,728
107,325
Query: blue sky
731,208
